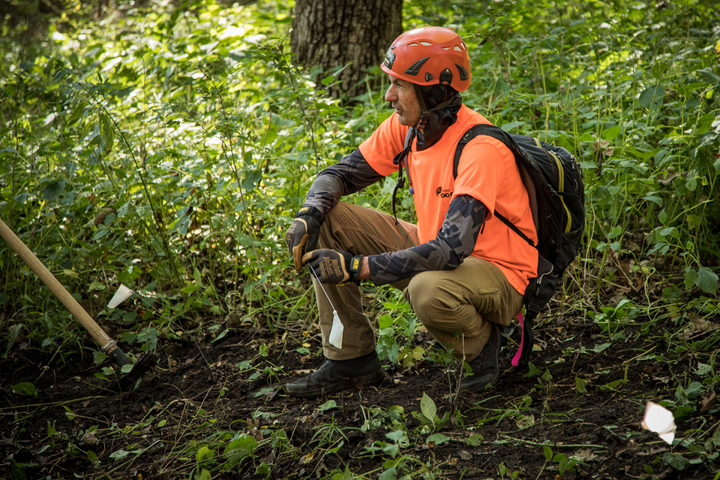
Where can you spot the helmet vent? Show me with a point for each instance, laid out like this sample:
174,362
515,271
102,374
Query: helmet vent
412,45
428,76
463,73
457,48
414,69
446,77
446,48
427,44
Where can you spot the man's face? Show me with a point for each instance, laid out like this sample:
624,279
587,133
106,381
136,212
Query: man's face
401,96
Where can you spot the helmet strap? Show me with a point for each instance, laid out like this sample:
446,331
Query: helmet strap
424,112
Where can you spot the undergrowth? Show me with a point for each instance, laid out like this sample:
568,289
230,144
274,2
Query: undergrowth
166,148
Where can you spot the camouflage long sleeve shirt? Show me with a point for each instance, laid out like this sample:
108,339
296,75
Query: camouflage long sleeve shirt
454,242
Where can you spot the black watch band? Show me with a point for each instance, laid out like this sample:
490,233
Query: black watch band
355,265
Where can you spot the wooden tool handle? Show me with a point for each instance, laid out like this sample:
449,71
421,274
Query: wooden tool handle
98,334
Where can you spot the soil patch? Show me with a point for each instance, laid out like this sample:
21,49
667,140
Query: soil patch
584,408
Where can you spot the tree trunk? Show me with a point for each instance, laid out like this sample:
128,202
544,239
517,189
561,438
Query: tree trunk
333,33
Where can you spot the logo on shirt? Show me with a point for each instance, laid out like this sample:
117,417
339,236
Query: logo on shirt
443,192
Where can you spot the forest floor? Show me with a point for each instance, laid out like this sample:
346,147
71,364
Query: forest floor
580,417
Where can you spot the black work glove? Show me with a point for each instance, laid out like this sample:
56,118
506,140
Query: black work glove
302,235
333,266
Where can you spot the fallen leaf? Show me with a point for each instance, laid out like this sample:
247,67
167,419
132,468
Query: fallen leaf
465,455
525,421
708,401
584,455
90,439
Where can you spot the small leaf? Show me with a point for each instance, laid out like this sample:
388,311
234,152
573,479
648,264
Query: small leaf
474,440
710,76
252,177
329,405
652,97
97,286
76,113
548,453
428,408
25,388
525,421
580,385
221,336
533,371
678,462
707,280
107,131
92,457
437,439
612,133
204,453
98,357
601,348
389,474
119,454
70,273
508,127
53,189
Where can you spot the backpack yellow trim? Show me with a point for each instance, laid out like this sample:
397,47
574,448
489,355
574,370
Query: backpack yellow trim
561,189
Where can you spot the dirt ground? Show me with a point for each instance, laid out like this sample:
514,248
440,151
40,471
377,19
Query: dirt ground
201,393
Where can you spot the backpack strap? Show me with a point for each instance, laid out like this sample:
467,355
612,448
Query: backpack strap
399,160
501,135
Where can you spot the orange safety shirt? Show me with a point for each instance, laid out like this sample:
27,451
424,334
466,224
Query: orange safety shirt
487,171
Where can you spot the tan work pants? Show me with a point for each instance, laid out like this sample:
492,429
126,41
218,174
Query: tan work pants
454,305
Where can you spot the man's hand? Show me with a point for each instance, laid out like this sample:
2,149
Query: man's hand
302,235
333,266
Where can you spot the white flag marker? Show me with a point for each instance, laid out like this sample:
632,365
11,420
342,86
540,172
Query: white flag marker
122,294
660,420
336,332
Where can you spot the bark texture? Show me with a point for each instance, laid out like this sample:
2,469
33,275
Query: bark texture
332,33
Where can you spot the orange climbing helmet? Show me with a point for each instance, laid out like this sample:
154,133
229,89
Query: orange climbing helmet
429,56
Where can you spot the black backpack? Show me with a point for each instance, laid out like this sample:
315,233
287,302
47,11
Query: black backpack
555,188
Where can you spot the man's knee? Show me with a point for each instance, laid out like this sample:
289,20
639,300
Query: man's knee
431,296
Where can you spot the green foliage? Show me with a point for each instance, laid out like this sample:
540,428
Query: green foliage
166,147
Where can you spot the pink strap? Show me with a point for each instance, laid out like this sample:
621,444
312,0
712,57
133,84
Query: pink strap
516,358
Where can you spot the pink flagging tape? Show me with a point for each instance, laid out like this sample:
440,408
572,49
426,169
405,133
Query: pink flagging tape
516,358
